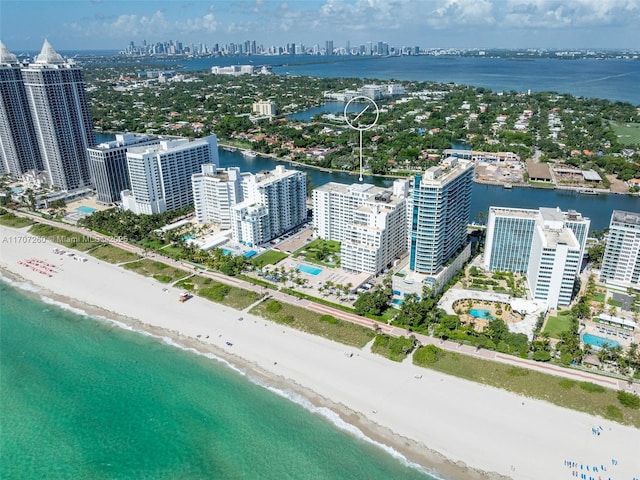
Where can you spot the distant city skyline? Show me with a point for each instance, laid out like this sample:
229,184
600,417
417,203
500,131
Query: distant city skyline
111,25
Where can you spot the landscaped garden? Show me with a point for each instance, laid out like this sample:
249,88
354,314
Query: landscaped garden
498,282
480,312
321,252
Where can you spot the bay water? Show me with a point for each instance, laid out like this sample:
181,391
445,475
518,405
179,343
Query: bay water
82,398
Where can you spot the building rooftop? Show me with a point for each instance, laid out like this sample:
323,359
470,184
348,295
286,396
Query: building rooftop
49,56
370,193
514,212
555,237
446,171
6,56
629,218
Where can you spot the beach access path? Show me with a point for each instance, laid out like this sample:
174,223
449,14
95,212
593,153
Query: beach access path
424,414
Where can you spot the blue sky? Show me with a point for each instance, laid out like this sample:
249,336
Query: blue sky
112,24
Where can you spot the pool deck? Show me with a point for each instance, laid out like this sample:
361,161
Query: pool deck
622,337
532,308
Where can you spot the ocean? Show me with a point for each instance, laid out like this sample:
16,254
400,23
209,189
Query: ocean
83,398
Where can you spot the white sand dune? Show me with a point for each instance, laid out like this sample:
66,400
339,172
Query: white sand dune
477,428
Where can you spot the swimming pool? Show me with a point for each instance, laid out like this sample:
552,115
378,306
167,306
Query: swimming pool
188,237
310,270
226,251
597,341
85,209
396,302
481,313
250,254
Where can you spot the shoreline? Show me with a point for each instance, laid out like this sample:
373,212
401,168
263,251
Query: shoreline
422,457
438,422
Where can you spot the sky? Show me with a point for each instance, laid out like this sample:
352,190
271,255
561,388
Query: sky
112,24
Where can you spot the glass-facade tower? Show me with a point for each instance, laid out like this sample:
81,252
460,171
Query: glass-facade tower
440,213
621,262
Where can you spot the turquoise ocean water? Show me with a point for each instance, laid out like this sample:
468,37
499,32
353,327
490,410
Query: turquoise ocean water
82,398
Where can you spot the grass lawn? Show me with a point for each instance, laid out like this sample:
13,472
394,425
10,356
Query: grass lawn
628,133
150,244
112,254
542,184
270,257
582,396
315,323
10,220
598,297
557,325
64,237
161,272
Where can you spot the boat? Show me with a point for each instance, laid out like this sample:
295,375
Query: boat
587,191
508,186
249,154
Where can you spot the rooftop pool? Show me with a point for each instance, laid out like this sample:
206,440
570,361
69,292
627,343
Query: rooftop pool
310,270
597,341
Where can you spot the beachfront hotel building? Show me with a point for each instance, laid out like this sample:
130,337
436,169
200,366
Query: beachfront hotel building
18,144
108,165
621,261
370,222
439,212
546,245
160,175
55,90
215,192
274,202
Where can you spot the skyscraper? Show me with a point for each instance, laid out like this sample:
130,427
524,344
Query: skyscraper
274,202
621,262
108,165
215,192
369,221
440,212
18,146
56,93
545,244
160,174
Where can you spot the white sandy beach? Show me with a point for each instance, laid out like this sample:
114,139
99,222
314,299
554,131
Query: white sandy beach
486,429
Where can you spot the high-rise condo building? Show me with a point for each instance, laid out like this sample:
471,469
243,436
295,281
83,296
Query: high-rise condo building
215,192
370,222
440,210
18,145
108,165
274,202
621,262
55,90
545,244
160,175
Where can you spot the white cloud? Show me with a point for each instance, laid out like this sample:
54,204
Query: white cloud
276,21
